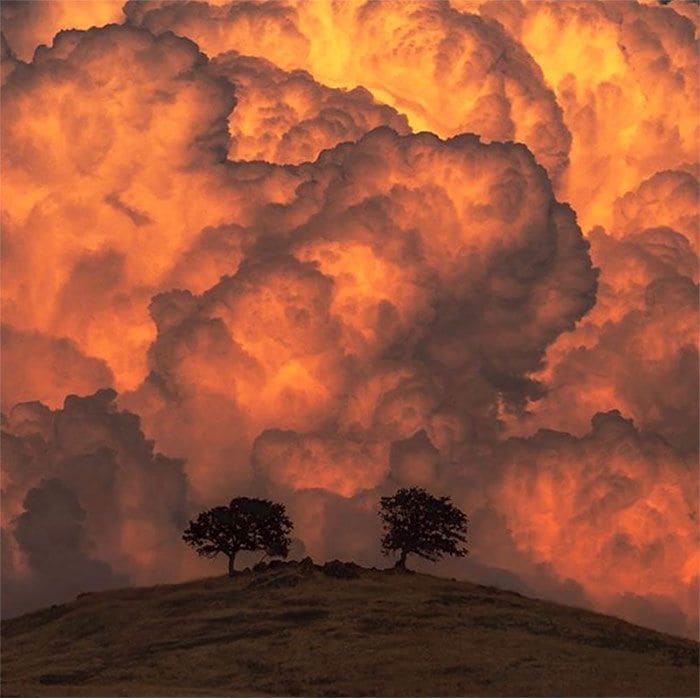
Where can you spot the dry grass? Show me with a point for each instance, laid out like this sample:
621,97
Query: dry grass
294,631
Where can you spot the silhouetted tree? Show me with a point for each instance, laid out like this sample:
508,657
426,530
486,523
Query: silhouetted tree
416,522
245,524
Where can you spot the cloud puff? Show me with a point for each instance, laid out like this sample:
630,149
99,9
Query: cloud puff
83,481
27,24
371,279
51,535
637,349
449,72
617,496
110,140
667,199
266,29
36,364
644,362
625,77
288,117
318,461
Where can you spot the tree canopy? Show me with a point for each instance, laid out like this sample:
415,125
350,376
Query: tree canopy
245,524
416,522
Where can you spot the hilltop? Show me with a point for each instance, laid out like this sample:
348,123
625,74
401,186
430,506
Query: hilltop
341,630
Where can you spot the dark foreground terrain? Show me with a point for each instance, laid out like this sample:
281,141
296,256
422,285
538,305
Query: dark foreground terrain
292,629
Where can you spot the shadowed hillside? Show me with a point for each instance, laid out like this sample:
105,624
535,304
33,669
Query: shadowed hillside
299,629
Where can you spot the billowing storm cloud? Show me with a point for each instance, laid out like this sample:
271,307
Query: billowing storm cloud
288,118
87,501
459,72
323,250
637,349
101,215
361,315
621,497
27,25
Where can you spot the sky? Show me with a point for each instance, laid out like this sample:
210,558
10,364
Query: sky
317,251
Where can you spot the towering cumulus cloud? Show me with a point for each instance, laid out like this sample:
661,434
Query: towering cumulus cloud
449,72
323,250
625,75
637,349
402,261
108,140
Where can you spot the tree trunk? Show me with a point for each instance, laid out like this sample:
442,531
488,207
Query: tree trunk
401,562
231,568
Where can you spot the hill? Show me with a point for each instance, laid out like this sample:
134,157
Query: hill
299,629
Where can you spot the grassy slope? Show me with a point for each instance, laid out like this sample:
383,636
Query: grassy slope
294,631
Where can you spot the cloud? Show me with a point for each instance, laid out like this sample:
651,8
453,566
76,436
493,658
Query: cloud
617,496
86,501
35,364
624,75
448,72
629,365
288,117
51,535
101,198
637,349
251,28
27,24
294,340
320,461
666,199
